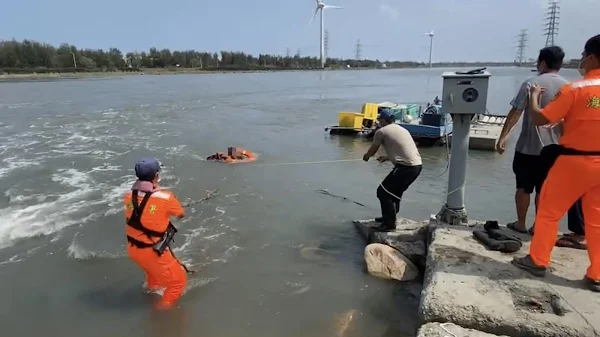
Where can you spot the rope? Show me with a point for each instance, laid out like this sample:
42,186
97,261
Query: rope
443,326
209,195
309,162
343,198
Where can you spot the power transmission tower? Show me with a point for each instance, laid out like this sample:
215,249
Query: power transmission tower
326,44
521,46
358,50
552,16
287,53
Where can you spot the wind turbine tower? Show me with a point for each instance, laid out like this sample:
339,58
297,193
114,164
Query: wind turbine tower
552,17
321,6
430,34
326,44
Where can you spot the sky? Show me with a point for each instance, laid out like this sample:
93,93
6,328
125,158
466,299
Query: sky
465,30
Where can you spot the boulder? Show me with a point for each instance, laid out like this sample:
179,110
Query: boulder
480,289
385,262
449,329
408,238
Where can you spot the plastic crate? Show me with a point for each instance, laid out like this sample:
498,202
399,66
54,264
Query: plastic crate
350,120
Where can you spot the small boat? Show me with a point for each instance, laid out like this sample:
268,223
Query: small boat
427,124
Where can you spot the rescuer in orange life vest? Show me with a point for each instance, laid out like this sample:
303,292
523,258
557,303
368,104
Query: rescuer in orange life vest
574,166
149,231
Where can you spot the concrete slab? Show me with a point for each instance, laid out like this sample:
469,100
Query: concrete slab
473,287
408,238
450,330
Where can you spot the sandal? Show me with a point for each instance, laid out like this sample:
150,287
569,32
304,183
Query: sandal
513,226
592,285
570,242
527,264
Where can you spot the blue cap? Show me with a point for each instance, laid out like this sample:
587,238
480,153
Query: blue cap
147,168
386,115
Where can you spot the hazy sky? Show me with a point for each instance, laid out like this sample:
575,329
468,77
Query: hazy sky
484,30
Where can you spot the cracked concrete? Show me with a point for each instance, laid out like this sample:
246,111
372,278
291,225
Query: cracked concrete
476,288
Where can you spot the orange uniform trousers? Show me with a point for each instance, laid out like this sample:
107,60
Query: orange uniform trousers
570,178
161,272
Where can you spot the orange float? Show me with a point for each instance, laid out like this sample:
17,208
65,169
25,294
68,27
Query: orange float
234,155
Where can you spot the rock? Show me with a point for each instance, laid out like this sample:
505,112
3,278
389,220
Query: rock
477,288
386,262
442,329
408,238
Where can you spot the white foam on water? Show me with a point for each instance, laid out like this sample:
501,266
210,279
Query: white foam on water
51,216
214,236
77,252
16,163
191,284
13,259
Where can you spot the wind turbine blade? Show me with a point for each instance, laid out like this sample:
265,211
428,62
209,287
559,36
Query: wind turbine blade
332,7
313,17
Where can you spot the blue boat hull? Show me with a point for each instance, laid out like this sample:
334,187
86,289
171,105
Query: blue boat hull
427,131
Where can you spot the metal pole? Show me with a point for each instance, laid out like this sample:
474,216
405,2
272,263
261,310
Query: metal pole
454,211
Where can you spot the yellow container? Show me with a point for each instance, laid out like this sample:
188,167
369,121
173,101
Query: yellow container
369,110
350,120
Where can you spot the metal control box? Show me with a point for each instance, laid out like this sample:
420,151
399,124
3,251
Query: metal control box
465,92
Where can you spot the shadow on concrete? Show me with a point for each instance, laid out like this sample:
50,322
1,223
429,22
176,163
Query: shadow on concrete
458,261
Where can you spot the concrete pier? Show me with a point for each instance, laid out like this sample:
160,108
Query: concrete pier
475,288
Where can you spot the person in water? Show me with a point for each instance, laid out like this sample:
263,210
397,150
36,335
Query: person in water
402,151
233,154
148,210
575,173
529,174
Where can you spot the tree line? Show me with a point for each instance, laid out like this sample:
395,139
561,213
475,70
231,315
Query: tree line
29,56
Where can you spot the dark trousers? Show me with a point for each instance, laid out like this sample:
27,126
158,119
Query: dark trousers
575,219
391,189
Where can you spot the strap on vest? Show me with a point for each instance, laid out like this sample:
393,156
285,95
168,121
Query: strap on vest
135,219
573,152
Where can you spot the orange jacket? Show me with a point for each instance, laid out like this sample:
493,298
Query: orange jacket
161,205
579,104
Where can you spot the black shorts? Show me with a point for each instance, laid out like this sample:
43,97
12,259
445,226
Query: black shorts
529,172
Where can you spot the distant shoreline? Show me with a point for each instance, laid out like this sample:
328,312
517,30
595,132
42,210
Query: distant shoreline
192,71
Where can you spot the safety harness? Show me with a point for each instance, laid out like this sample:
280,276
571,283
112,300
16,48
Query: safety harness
136,223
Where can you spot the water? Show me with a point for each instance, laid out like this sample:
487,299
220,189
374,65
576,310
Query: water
67,151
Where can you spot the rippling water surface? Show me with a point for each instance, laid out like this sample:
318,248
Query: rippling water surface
277,258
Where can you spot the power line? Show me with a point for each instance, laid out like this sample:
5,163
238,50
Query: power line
521,46
326,42
358,50
552,17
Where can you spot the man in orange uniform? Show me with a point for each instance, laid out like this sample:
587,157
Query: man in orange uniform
576,171
148,210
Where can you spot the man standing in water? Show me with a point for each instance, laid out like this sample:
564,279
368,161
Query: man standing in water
526,164
148,210
402,151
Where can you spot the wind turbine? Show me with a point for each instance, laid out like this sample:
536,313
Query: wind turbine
430,34
322,6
